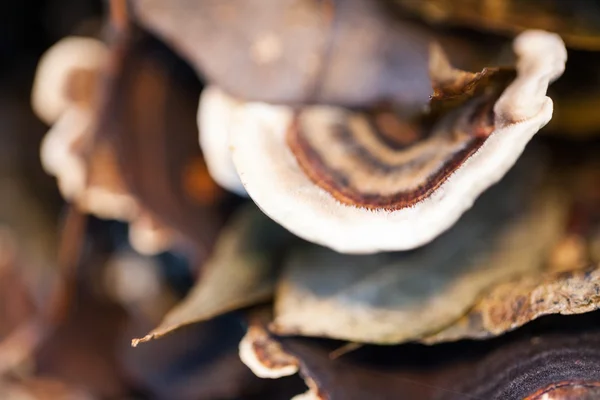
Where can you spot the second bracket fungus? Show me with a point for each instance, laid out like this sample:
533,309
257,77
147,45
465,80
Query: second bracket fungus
369,182
215,120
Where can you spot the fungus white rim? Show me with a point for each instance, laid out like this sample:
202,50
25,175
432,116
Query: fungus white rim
215,118
56,153
275,182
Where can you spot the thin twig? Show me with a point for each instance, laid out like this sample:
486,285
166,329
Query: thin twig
119,14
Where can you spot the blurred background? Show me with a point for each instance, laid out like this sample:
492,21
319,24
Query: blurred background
65,331
73,292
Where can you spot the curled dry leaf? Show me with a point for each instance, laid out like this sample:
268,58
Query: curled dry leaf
64,67
516,367
397,297
575,21
149,117
338,179
357,50
514,303
242,271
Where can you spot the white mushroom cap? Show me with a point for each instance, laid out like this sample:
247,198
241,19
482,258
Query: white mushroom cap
49,98
274,180
215,121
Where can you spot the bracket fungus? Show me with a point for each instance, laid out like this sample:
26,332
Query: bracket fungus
338,179
62,94
66,94
58,68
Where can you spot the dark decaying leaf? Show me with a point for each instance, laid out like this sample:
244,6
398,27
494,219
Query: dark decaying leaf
576,20
356,50
524,364
241,271
365,169
149,114
332,179
396,297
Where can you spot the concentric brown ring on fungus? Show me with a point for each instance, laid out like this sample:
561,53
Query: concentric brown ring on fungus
333,180
379,162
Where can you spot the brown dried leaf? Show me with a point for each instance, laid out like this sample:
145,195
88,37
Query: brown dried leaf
396,297
569,284
512,304
370,54
242,271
